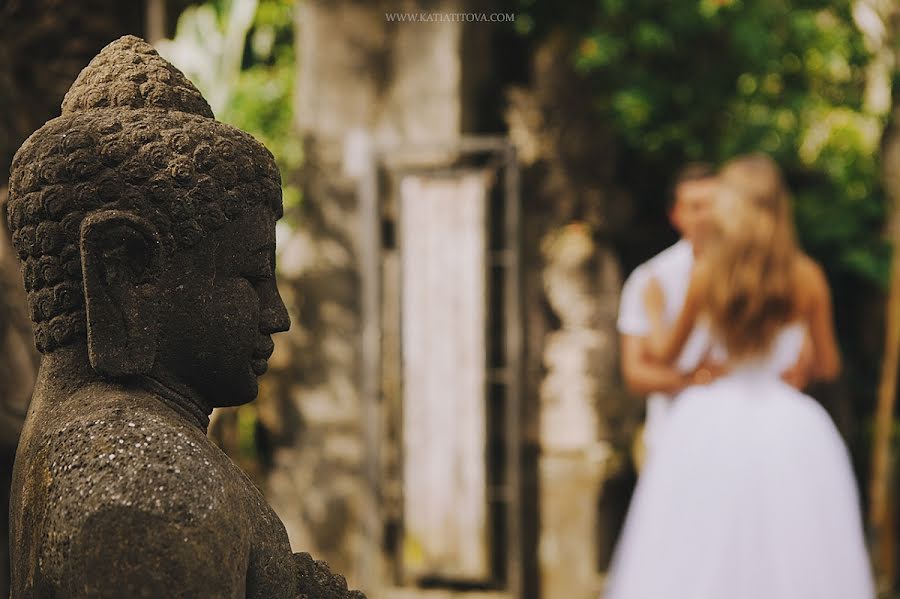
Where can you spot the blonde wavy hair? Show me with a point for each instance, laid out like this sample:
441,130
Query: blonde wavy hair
751,290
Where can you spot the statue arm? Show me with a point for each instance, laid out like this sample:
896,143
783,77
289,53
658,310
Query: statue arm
317,580
126,552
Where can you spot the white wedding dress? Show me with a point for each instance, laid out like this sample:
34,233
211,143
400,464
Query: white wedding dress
749,494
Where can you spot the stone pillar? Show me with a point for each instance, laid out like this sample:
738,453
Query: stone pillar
579,358
576,417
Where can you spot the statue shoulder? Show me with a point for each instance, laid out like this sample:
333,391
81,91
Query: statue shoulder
130,503
119,457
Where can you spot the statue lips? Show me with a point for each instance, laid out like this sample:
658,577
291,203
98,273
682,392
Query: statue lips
259,362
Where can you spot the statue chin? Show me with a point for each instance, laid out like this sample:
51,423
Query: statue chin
237,394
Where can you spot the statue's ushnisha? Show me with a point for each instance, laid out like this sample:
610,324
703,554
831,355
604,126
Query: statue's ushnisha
146,232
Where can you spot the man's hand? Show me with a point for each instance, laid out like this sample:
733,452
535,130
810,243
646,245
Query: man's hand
706,373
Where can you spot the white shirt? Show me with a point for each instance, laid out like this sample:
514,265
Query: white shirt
672,268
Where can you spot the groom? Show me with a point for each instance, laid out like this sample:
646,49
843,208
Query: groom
690,213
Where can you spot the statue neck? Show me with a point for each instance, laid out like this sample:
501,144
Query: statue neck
180,398
67,370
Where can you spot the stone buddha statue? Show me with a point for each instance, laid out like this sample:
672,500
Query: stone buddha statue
146,235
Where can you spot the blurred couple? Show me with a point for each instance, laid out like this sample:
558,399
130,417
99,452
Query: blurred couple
747,491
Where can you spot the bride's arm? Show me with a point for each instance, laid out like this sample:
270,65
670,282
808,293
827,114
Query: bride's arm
826,363
665,342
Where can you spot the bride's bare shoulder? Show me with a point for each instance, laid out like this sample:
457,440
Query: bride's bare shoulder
808,270
812,285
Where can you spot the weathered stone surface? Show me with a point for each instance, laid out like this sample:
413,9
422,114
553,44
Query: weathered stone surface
357,75
567,552
575,412
146,235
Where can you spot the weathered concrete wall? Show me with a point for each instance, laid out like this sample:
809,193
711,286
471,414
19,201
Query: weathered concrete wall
410,84
390,83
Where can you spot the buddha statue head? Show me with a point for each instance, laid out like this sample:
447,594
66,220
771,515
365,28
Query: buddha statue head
146,233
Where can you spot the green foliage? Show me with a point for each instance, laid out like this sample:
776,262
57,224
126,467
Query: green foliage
688,80
262,99
240,54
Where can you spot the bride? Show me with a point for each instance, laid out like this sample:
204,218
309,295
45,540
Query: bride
751,493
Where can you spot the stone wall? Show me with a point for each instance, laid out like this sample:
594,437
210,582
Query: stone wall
364,78
393,85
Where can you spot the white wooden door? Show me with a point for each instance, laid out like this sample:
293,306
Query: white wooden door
444,257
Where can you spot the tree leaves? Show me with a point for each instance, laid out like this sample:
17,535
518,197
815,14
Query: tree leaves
687,79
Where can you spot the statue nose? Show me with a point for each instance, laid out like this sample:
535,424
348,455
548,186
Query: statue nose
275,318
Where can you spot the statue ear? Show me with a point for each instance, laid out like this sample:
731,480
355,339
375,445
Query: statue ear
121,257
